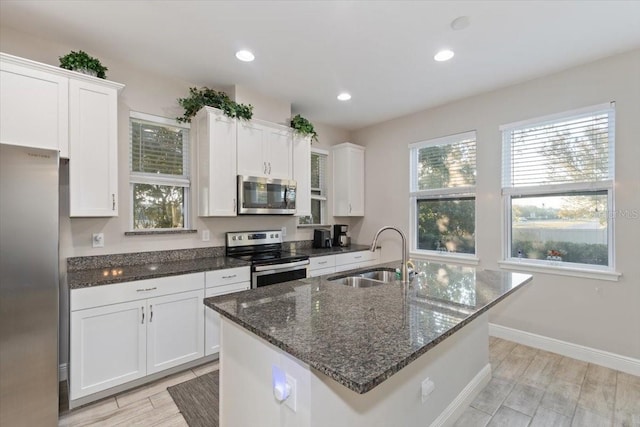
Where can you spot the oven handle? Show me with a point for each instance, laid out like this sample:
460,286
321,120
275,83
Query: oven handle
276,267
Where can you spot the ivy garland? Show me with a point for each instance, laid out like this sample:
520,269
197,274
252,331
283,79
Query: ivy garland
199,98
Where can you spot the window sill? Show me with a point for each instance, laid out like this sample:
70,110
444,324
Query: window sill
587,273
152,232
447,257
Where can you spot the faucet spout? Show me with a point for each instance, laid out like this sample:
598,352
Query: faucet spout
404,270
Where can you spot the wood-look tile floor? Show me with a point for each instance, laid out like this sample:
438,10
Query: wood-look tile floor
529,387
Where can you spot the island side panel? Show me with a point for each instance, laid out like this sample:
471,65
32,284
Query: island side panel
246,390
452,365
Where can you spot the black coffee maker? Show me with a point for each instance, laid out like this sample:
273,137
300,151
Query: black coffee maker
340,237
321,238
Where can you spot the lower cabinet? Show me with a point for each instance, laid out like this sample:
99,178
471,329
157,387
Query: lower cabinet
122,332
221,282
342,262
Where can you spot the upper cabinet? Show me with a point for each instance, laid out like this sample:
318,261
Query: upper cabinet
264,149
348,180
93,148
47,107
215,136
302,174
34,105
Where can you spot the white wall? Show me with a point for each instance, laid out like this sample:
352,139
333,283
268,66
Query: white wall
593,313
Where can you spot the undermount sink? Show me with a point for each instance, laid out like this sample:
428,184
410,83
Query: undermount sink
366,279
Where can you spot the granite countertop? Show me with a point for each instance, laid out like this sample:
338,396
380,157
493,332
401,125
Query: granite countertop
362,336
117,268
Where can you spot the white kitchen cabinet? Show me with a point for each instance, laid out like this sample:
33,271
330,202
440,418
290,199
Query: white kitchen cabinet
351,260
175,331
215,136
302,174
348,180
221,282
125,331
93,148
264,149
108,347
34,105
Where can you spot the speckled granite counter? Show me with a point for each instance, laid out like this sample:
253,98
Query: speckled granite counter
117,268
361,336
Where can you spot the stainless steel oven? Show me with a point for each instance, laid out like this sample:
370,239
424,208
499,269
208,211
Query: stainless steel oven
258,195
270,264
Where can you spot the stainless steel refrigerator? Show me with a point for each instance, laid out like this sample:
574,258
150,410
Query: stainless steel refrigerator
28,286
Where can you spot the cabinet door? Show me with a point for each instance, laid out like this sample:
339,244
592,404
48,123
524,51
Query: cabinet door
302,174
108,347
356,182
216,142
175,331
34,108
212,317
93,150
251,160
278,146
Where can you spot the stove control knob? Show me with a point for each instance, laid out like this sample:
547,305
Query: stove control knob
239,237
271,236
233,238
276,235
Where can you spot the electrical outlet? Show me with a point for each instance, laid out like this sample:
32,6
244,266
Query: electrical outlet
97,240
284,232
428,387
292,399
205,235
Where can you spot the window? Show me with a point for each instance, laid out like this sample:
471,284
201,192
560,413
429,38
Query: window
557,187
159,173
443,179
318,189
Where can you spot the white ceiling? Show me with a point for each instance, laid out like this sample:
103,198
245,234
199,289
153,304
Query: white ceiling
309,51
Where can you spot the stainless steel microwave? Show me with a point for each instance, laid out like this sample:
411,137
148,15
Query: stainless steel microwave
266,196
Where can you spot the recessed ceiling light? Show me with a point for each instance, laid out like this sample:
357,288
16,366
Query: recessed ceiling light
245,56
344,96
443,55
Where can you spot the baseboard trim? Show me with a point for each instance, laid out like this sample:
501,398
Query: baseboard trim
62,372
575,351
453,411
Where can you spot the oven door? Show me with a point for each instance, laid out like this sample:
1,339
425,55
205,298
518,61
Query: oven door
264,275
257,195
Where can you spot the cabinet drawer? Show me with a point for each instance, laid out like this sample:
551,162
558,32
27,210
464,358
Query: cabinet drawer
227,289
322,262
322,271
353,257
130,291
226,276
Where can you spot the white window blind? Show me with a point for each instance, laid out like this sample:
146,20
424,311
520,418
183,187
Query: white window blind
159,153
576,148
444,164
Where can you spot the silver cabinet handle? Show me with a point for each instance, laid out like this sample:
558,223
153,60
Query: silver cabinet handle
234,205
322,262
146,289
142,308
357,257
349,207
229,277
265,167
151,314
269,168
113,201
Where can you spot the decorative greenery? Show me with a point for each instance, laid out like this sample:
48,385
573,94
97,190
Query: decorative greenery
82,61
303,127
199,98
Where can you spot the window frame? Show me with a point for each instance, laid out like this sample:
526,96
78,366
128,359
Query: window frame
322,198
509,192
452,193
161,179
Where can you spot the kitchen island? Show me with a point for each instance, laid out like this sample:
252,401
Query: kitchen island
384,355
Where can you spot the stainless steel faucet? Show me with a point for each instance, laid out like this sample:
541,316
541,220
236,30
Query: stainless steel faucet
404,270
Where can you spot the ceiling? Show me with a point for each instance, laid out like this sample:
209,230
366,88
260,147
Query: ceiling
309,51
